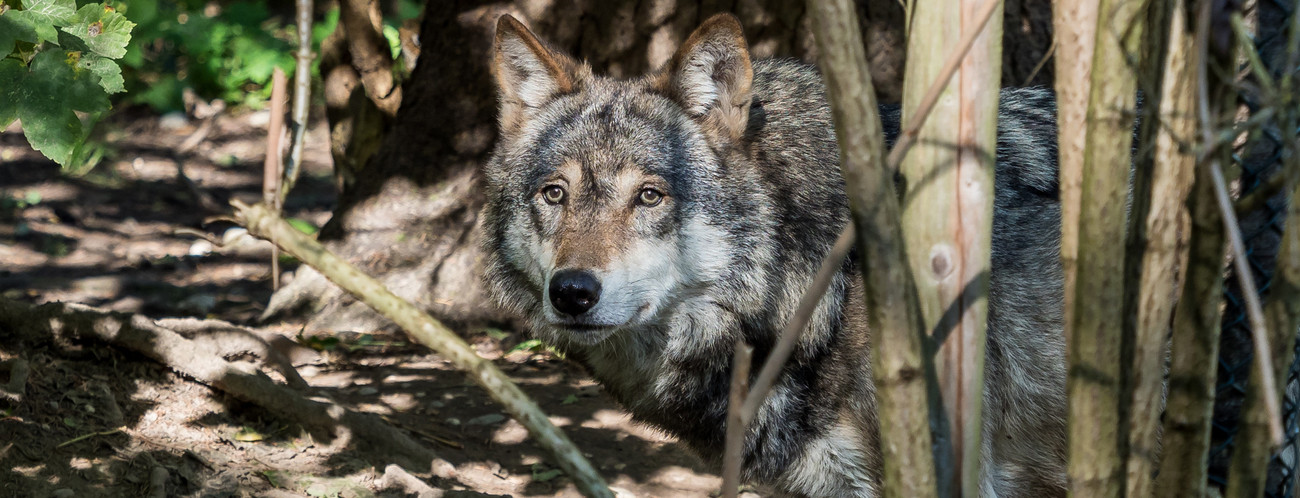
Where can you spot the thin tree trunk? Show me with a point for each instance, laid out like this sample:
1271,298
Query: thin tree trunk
1096,460
1164,250
897,362
1075,24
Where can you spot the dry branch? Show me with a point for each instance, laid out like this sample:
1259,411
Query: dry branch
1248,471
947,215
1096,461
896,354
1162,252
262,222
736,424
203,363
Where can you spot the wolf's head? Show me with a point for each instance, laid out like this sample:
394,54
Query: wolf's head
600,193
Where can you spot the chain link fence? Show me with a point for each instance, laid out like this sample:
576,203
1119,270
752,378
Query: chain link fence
1258,159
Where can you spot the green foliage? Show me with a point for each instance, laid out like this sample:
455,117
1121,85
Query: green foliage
57,69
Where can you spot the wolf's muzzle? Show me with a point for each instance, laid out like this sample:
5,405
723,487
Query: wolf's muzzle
573,292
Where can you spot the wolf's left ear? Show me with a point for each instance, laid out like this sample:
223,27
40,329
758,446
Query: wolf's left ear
528,73
710,75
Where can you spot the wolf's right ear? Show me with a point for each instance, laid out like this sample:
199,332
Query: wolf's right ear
711,74
528,73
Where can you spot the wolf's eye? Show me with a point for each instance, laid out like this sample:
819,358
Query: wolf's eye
553,194
649,197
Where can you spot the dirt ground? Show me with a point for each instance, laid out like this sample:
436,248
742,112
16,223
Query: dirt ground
96,420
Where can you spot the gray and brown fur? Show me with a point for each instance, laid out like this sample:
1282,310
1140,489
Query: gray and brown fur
744,159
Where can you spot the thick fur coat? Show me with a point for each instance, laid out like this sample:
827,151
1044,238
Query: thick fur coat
644,226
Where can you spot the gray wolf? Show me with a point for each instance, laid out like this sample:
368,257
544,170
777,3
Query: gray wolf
644,226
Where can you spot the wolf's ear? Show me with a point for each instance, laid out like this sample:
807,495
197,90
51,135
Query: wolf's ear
710,75
528,73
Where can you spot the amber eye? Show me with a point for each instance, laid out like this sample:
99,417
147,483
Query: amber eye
553,194
649,197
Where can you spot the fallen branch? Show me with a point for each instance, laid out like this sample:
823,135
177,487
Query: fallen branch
262,222
736,426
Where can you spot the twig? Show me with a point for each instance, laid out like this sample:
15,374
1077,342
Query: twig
1245,276
1051,50
1259,197
272,166
732,457
907,138
301,99
84,437
264,223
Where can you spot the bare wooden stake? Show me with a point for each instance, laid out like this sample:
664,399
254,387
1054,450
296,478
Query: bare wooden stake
273,165
1096,459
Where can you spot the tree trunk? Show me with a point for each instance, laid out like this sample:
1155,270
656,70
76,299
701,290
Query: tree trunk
410,215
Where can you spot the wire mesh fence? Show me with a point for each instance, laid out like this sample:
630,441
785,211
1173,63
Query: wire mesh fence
1259,158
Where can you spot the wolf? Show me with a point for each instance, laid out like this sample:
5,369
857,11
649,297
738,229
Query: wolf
644,226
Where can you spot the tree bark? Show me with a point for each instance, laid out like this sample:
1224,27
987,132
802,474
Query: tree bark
408,209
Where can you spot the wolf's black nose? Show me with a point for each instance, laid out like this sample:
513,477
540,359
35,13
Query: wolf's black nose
573,292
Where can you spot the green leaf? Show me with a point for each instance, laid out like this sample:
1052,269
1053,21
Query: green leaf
12,30
108,72
42,16
11,72
303,226
47,98
103,30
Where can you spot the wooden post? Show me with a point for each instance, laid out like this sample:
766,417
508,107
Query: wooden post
948,214
1095,454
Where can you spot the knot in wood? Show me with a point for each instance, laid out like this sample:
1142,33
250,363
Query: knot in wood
941,261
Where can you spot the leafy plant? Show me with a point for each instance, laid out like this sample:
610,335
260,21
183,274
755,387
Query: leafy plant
58,68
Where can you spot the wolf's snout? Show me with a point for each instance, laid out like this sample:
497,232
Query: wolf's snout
573,292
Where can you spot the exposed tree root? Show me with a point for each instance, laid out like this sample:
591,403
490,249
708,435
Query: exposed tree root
202,361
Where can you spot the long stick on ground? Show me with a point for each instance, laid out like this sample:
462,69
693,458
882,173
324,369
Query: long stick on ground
896,353
261,222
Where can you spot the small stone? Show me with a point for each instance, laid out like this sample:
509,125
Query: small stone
63,493
436,404
453,421
368,391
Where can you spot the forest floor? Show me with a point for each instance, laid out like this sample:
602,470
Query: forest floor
99,420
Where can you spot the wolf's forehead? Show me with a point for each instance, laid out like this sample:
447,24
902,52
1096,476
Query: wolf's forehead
614,130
